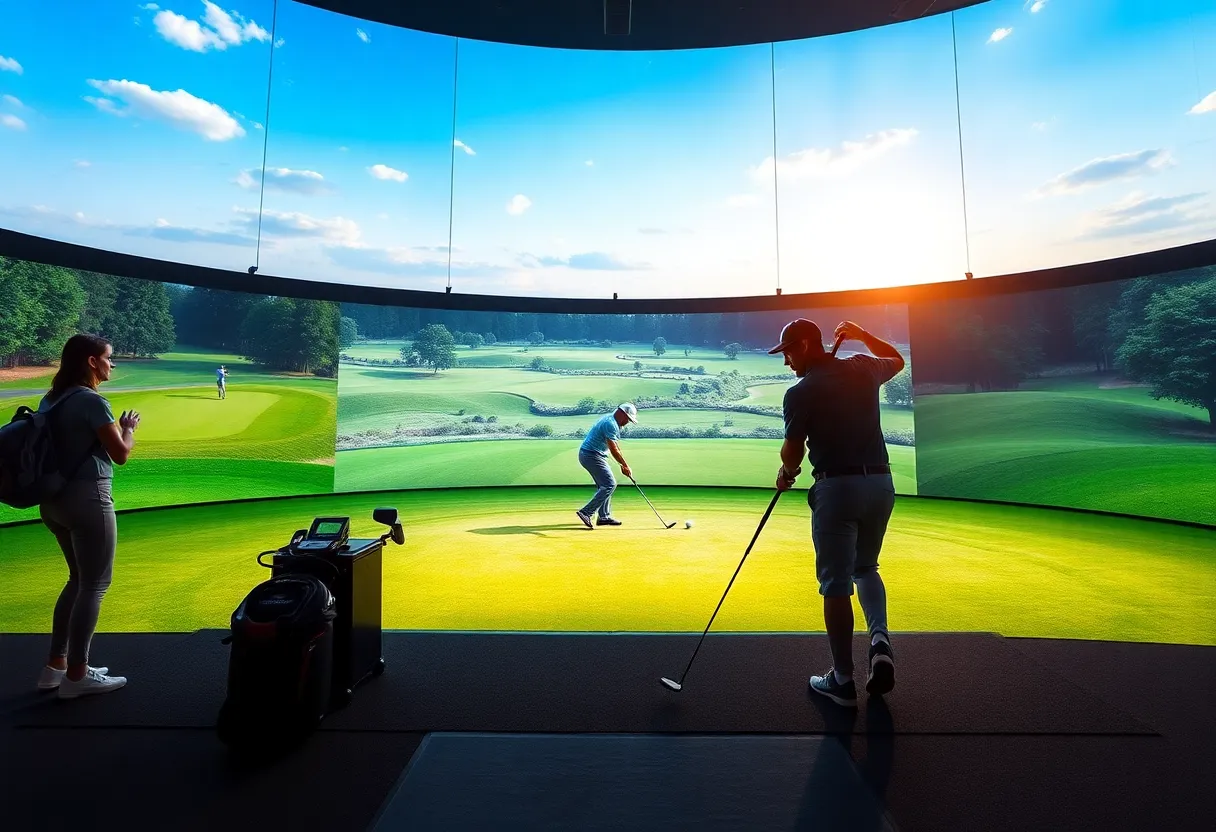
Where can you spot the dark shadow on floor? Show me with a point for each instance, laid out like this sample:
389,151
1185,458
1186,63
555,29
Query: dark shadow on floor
539,531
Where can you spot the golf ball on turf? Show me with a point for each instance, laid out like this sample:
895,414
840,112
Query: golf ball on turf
688,524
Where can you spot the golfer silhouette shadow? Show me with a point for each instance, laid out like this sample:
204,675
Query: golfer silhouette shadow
539,531
832,797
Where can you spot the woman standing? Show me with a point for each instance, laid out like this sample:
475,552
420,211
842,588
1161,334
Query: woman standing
81,516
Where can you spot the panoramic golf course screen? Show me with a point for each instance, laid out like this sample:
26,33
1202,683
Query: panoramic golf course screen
270,434
1099,397
438,399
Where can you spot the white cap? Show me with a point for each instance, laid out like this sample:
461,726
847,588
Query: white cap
629,410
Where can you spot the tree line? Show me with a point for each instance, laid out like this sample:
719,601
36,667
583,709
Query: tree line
42,306
752,330
1158,330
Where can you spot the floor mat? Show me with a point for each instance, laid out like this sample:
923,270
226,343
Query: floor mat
950,683
612,782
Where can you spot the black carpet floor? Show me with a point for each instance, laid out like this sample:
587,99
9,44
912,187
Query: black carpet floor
747,684
637,782
114,778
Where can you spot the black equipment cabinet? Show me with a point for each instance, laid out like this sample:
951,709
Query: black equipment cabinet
357,587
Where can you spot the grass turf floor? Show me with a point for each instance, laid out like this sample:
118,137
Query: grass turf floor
516,559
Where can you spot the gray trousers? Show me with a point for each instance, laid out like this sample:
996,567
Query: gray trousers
597,466
82,519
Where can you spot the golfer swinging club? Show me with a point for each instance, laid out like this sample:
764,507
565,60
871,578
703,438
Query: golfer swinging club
833,412
604,438
221,375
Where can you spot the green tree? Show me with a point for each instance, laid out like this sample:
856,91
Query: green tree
316,326
586,404
660,345
434,346
101,291
898,391
536,339
139,323
40,309
348,332
1175,349
491,339
732,350
538,364
473,340
637,366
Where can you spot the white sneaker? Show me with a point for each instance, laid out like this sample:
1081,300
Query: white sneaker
92,682
50,678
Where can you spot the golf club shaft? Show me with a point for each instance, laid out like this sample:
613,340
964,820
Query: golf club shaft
772,504
836,346
647,499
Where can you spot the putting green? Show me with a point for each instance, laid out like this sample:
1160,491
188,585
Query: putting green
516,559
726,462
1071,443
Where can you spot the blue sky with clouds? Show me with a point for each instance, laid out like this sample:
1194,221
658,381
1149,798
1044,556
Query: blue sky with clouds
1089,131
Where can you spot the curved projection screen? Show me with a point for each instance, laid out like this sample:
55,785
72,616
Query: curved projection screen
1005,137
1099,397
272,436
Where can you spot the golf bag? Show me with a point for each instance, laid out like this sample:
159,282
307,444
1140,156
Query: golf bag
281,665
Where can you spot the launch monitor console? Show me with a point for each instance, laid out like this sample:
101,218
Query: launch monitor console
353,570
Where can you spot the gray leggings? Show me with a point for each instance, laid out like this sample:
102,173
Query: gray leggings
82,519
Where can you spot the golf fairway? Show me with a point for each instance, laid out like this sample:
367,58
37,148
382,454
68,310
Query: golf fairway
517,559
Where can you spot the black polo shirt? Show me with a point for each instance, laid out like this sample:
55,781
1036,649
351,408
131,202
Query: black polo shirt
834,410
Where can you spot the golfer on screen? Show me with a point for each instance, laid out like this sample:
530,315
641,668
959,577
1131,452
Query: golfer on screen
604,438
221,381
832,415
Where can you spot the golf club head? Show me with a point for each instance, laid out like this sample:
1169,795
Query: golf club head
670,685
671,525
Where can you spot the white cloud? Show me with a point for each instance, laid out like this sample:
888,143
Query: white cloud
257,125
12,122
83,163
1034,6
13,101
1000,34
218,29
1207,105
1040,126
105,105
590,163
468,150
11,65
178,107
363,36
278,44
150,7
307,182
1138,214
294,224
518,204
1108,169
385,173
815,162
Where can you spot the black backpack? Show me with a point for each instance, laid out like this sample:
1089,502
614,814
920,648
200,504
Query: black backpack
31,468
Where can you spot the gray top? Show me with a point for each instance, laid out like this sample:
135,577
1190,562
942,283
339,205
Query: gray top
75,424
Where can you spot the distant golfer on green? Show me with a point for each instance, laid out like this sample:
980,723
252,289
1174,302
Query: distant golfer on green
221,375
832,416
604,438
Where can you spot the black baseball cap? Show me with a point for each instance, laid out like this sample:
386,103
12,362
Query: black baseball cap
799,330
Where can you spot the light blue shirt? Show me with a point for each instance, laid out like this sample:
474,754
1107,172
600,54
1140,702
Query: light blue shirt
219,375
601,432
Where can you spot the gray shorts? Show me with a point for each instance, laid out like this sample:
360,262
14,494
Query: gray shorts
849,517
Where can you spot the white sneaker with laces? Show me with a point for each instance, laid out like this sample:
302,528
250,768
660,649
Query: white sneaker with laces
50,678
92,682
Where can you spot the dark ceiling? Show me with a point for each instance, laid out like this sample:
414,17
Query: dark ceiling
652,24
